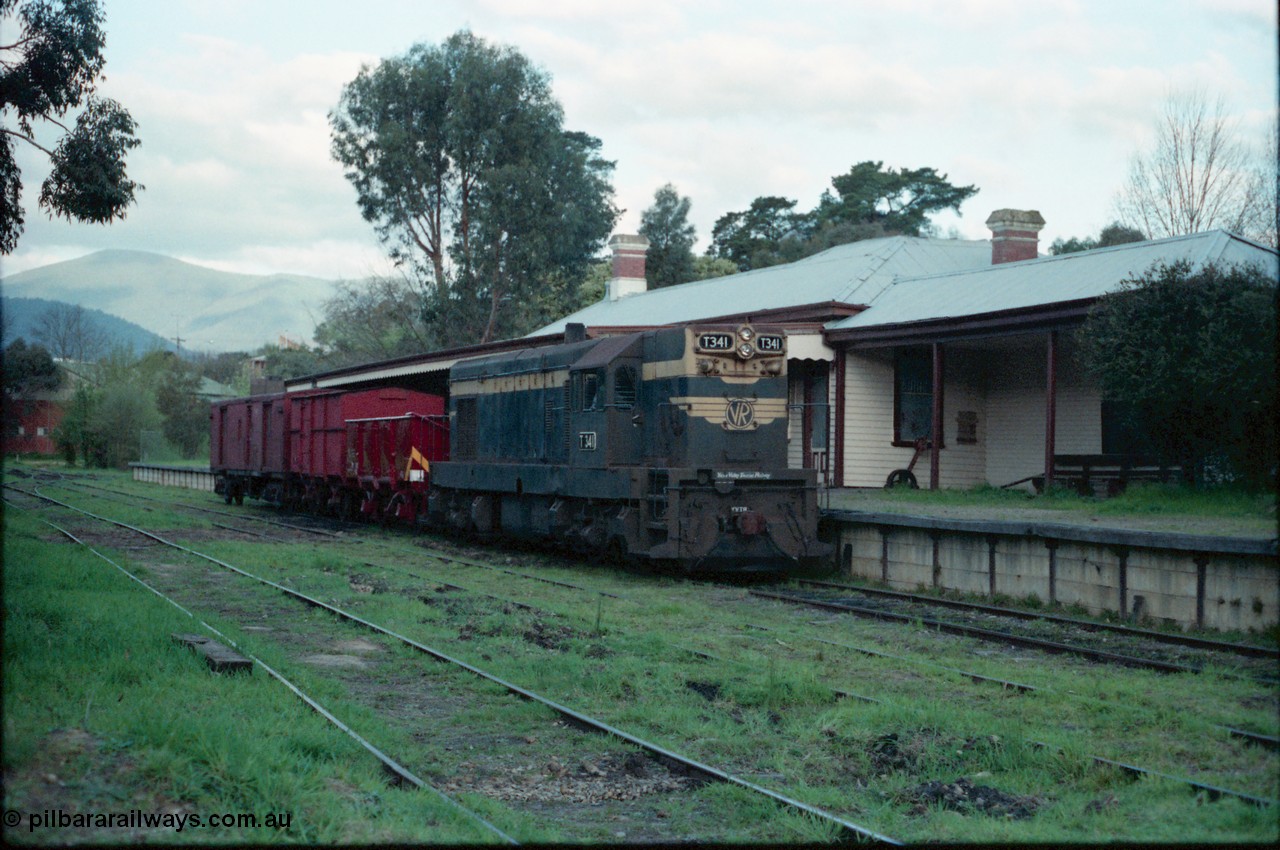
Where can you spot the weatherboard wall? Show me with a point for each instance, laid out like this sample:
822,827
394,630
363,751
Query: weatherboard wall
1016,411
1004,391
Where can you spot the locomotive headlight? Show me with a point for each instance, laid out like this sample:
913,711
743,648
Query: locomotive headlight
745,351
746,334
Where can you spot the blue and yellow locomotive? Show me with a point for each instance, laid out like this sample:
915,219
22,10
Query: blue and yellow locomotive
666,445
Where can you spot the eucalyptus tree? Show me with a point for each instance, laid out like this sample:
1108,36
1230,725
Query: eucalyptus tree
460,160
669,260
753,238
51,60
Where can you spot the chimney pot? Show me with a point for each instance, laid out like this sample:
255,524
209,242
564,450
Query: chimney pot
628,266
1014,235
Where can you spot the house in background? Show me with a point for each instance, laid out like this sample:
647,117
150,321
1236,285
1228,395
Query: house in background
30,420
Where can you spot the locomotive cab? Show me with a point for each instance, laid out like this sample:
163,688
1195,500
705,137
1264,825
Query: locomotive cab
604,387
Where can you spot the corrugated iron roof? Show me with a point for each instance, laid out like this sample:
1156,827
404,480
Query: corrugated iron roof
855,273
1046,280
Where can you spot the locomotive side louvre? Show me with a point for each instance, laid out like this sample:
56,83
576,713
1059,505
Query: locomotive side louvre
667,444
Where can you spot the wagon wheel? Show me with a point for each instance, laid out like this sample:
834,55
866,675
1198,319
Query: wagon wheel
348,507
899,477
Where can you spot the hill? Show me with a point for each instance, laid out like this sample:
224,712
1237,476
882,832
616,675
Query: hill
22,319
211,309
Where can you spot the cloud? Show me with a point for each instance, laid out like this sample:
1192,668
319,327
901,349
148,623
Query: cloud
1037,104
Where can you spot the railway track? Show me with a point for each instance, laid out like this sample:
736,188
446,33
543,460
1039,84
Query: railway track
988,625
1172,638
401,773
1246,650
1211,791
849,830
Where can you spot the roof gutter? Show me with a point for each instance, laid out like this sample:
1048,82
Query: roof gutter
949,329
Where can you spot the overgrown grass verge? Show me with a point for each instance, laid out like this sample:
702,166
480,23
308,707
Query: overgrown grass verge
1235,510
104,714
1138,498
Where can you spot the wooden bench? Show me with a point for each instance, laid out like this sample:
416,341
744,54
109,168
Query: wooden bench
1107,474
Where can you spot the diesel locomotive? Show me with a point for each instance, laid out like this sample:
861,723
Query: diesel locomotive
667,446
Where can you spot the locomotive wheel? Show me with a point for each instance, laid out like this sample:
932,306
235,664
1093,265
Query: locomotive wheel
616,552
899,477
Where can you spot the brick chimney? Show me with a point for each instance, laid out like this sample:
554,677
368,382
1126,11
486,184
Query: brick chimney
628,266
1014,235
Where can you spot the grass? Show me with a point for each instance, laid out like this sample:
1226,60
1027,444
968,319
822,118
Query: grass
1142,499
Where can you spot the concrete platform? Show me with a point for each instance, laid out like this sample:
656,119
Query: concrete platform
1210,581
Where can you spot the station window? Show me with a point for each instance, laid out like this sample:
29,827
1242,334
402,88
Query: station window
912,394
1122,432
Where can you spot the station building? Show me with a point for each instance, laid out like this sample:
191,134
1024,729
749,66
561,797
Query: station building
888,336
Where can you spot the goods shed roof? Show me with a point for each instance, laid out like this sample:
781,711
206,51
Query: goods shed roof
1044,281
853,274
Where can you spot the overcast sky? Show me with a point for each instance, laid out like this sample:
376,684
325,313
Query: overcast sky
1039,104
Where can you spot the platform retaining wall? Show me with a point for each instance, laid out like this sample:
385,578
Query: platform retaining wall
1222,583
192,478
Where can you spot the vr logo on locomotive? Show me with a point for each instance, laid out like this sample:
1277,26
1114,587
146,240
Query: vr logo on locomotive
739,414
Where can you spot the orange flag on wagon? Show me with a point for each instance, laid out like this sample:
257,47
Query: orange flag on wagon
414,454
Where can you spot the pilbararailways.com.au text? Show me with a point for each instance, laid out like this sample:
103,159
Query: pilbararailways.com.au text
138,819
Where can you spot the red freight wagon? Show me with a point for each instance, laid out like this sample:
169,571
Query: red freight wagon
321,472
391,459
246,444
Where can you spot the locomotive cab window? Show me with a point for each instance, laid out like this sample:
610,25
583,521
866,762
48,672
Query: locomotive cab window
590,396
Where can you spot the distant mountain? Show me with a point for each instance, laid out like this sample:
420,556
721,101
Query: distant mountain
22,319
210,309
